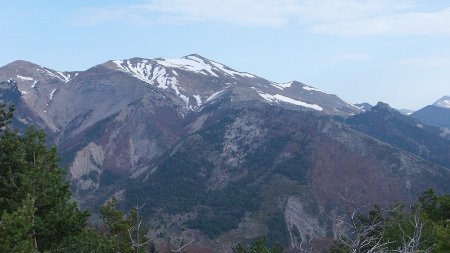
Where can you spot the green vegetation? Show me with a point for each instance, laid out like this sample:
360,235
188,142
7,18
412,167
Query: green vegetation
38,215
36,210
258,246
424,228
31,184
181,184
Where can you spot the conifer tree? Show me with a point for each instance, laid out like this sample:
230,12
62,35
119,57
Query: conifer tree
32,183
125,231
16,227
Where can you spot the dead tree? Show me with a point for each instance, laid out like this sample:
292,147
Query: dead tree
358,236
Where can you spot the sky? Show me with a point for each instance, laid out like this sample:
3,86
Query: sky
395,51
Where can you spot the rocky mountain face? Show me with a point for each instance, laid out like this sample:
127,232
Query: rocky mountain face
216,154
437,114
406,133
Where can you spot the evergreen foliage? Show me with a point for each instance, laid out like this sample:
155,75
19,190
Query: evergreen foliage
424,228
258,246
16,229
36,210
29,169
126,232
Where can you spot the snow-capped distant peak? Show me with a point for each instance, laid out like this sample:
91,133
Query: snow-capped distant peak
443,102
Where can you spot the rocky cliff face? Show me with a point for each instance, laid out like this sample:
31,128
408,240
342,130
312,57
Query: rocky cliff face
217,154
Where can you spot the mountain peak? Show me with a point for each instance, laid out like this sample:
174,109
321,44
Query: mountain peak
193,56
444,102
22,64
384,107
191,63
364,106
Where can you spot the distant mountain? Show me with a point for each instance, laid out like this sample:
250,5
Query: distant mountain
406,133
217,154
437,114
405,111
367,107
364,106
444,102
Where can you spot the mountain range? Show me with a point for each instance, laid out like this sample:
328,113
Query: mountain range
215,154
437,114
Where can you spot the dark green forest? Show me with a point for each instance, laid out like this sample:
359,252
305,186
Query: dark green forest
38,213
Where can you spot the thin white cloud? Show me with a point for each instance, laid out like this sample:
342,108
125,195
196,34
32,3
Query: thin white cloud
411,23
344,17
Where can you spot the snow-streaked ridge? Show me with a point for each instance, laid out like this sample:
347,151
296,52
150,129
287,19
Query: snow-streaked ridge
153,74
56,74
148,72
280,98
189,63
310,88
199,65
163,73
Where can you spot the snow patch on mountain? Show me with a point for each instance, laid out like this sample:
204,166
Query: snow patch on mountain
147,72
34,84
310,88
198,99
199,65
24,78
214,95
52,94
229,71
57,74
443,102
153,74
65,78
281,86
280,98
189,63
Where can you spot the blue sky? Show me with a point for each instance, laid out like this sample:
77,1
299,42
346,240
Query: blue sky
396,51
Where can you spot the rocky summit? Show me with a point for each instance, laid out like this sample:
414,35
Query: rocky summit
214,154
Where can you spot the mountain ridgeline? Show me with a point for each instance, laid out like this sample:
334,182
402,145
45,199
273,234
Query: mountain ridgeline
216,154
